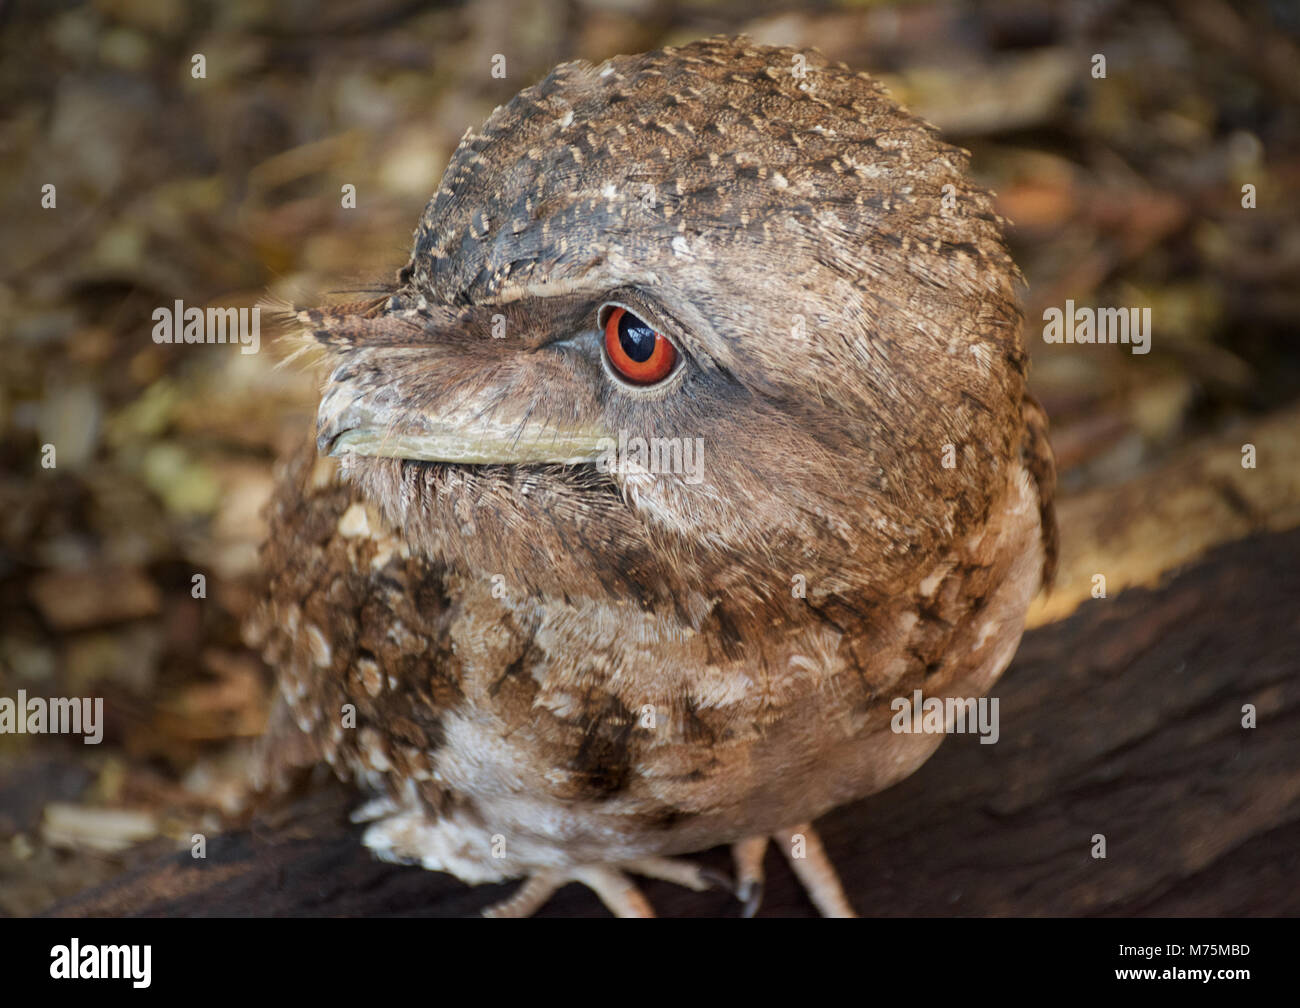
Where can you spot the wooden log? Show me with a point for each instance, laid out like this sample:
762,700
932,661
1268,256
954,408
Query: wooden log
1124,720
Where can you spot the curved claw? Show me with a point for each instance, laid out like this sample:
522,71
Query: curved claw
748,857
750,895
682,873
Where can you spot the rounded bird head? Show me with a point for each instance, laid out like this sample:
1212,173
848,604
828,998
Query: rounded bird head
683,329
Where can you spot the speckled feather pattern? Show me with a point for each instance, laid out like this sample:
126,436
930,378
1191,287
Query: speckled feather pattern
521,713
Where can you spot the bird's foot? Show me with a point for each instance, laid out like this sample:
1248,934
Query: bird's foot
801,844
609,882
803,849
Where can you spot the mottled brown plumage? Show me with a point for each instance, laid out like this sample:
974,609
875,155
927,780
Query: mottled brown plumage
559,670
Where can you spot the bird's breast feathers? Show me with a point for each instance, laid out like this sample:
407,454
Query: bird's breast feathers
582,730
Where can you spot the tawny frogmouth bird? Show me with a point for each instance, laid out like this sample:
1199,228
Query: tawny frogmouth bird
552,655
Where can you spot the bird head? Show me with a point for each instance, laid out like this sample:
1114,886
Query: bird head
683,329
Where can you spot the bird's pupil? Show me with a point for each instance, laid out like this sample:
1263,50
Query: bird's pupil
636,338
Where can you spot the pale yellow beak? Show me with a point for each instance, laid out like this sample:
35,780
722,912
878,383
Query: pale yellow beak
472,435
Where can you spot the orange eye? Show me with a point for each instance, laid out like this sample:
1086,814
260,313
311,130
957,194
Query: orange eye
636,351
